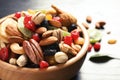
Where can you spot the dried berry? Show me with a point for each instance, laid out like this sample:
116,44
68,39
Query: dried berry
68,40
89,47
4,54
17,14
72,27
97,46
75,34
36,37
43,64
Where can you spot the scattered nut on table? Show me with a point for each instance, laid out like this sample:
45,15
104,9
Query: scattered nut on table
112,41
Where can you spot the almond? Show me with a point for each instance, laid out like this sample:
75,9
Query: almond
15,39
12,30
89,19
55,23
41,30
48,41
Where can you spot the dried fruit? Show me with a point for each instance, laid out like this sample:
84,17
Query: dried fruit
75,34
4,54
89,47
36,37
27,33
95,35
79,41
43,64
97,46
29,24
68,40
17,14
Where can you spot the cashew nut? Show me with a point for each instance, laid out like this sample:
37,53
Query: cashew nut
16,48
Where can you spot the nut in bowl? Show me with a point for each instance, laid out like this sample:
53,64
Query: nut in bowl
37,45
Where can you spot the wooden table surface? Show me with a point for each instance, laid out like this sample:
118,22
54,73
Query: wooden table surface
107,10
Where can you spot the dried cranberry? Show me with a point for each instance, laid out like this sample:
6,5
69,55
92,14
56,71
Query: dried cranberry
75,34
17,14
43,64
68,40
89,47
97,46
36,37
27,18
30,25
4,54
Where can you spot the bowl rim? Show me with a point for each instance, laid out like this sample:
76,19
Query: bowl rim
82,53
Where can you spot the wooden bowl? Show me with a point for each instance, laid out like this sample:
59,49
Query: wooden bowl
57,72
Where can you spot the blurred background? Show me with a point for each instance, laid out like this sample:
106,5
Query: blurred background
107,10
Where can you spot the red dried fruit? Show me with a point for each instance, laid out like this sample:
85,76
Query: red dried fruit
68,40
43,64
4,54
29,24
97,46
27,18
17,14
36,37
89,47
75,34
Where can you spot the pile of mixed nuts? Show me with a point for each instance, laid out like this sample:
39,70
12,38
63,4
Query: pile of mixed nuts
39,38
